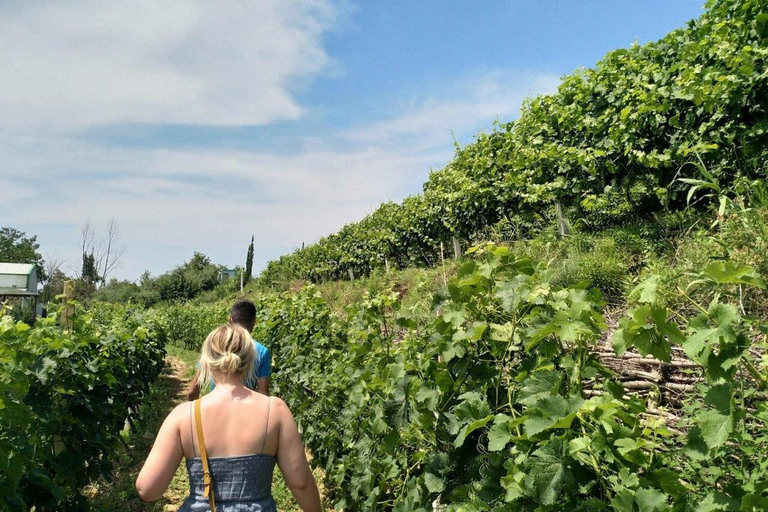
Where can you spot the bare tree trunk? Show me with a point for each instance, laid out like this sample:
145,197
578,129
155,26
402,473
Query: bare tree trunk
113,254
87,233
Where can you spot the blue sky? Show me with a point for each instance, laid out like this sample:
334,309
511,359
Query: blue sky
195,125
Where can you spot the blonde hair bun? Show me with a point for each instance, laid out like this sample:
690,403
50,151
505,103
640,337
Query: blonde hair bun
229,363
228,350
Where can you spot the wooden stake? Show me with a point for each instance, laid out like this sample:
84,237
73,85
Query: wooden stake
456,248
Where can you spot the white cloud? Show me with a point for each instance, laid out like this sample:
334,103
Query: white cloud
79,66
463,109
230,62
170,202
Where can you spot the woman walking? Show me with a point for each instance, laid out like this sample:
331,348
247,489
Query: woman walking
231,439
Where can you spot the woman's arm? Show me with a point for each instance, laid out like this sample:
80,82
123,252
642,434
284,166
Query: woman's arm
163,459
193,392
263,386
293,461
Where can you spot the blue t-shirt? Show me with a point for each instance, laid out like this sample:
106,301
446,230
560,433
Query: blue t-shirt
262,367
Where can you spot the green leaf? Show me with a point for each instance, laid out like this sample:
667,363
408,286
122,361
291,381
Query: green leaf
647,290
650,500
472,413
626,445
552,412
578,444
729,272
716,501
502,332
502,432
434,483
720,397
695,345
650,330
725,318
471,427
715,427
540,385
695,447
428,395
547,473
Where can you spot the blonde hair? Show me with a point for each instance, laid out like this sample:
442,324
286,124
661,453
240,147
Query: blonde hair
227,350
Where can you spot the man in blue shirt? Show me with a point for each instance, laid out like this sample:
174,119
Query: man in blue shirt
244,314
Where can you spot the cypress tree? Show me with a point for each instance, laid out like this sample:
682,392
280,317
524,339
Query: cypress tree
249,262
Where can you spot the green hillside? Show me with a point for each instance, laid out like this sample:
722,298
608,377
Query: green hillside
612,146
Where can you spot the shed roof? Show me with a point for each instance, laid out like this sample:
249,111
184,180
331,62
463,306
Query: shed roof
19,269
17,292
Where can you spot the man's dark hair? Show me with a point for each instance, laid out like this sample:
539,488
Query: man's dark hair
244,313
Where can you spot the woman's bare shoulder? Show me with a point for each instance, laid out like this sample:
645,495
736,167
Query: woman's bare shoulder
279,407
179,413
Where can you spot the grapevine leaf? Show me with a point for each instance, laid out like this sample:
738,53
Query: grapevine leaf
715,427
719,397
501,432
49,365
578,444
697,343
540,385
695,447
428,395
547,473
650,500
729,272
717,501
650,330
471,428
434,483
647,290
552,412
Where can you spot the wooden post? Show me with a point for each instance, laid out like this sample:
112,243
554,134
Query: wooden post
456,248
386,264
242,272
562,222
442,260
34,309
67,309
351,274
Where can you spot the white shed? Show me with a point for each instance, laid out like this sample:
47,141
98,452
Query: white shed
18,282
18,279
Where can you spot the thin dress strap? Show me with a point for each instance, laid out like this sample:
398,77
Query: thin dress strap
207,479
266,427
192,431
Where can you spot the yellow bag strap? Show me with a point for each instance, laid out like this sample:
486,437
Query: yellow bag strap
207,482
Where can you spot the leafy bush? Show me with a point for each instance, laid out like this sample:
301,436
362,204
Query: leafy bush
492,406
64,398
597,262
188,325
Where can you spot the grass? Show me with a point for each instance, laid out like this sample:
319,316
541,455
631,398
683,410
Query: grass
119,494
